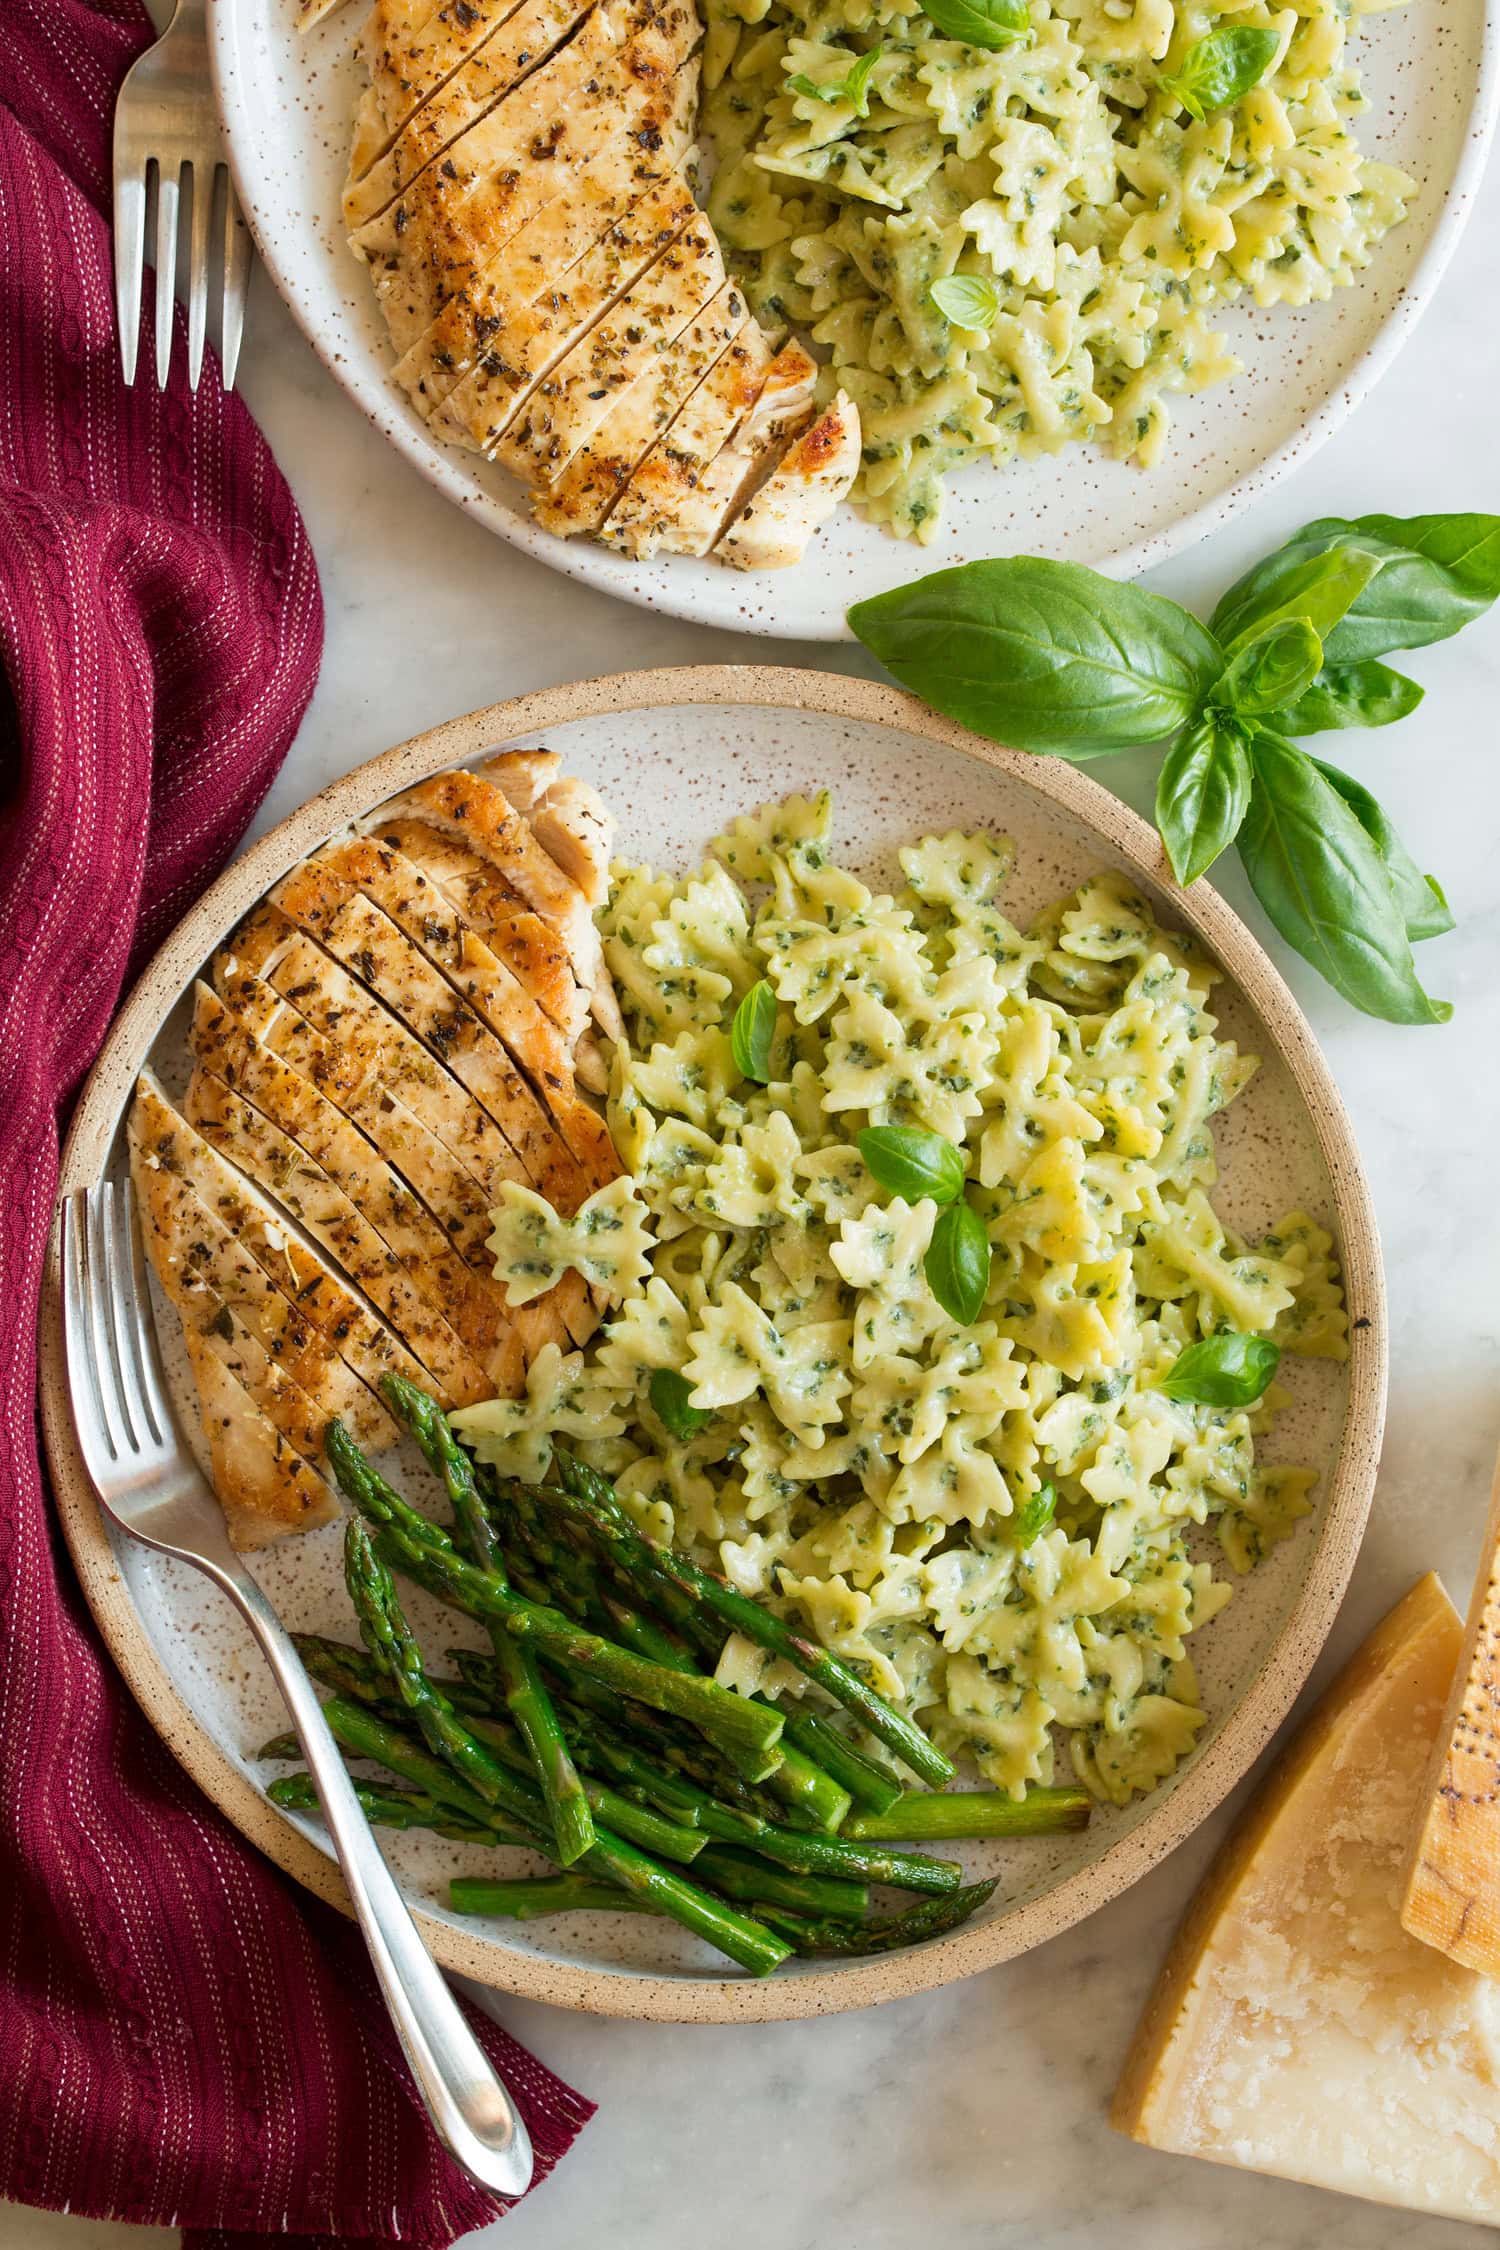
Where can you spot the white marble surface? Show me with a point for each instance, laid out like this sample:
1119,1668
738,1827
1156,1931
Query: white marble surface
974,2117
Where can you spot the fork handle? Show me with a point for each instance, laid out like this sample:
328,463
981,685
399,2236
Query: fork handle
472,2114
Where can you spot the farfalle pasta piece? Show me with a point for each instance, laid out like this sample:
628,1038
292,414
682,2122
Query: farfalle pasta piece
607,1240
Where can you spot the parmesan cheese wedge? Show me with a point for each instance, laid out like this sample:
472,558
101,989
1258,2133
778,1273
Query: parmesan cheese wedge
1453,1879
1296,2028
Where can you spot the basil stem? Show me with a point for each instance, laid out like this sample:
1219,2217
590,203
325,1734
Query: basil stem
957,1264
752,1032
671,1394
1226,1370
908,1162
1202,791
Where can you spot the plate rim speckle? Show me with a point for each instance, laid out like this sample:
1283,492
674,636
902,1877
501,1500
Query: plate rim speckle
803,604
1242,1735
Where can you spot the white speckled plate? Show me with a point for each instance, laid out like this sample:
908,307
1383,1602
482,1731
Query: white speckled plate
677,754
1429,71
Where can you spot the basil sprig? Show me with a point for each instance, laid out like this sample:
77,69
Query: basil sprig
853,87
1221,68
752,1032
1051,657
957,1264
979,23
670,1395
1226,1370
911,1163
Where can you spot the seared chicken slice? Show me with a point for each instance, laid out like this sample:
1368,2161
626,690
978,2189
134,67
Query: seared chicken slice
409,52
662,487
217,1287
641,152
571,403
784,406
536,29
339,1070
320,1299
534,953
477,814
581,1156
581,499
264,1486
568,817
365,939
522,356
509,166
474,1313
771,531
247,1138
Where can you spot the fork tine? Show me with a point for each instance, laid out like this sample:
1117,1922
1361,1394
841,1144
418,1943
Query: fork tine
83,1375
201,191
166,268
145,1387
130,248
100,1327
236,281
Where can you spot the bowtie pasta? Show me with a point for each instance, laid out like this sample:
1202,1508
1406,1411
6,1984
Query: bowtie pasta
1111,221
865,1462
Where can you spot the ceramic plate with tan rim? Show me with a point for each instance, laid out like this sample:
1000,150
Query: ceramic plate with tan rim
677,754
1430,75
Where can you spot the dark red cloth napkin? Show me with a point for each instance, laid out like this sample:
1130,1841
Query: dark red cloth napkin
185,2038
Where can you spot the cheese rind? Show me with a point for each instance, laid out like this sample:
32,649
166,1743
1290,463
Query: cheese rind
1296,2028
1453,1879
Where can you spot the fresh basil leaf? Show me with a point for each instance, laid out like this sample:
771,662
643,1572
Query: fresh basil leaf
1437,574
907,1162
1271,668
670,1395
1318,586
1419,897
1350,695
1224,1370
1221,68
1033,1516
968,300
1044,656
1201,794
853,87
979,23
957,1264
751,1033
1323,883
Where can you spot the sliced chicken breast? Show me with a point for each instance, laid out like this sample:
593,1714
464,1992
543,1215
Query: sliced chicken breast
579,1155
784,406
571,403
535,954
660,495
320,1298
771,531
408,54
476,813
525,354
264,1486
536,30
582,497
519,362
568,817
217,1287
639,154
454,1298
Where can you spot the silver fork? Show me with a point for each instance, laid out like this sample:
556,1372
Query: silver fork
166,127
152,1488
